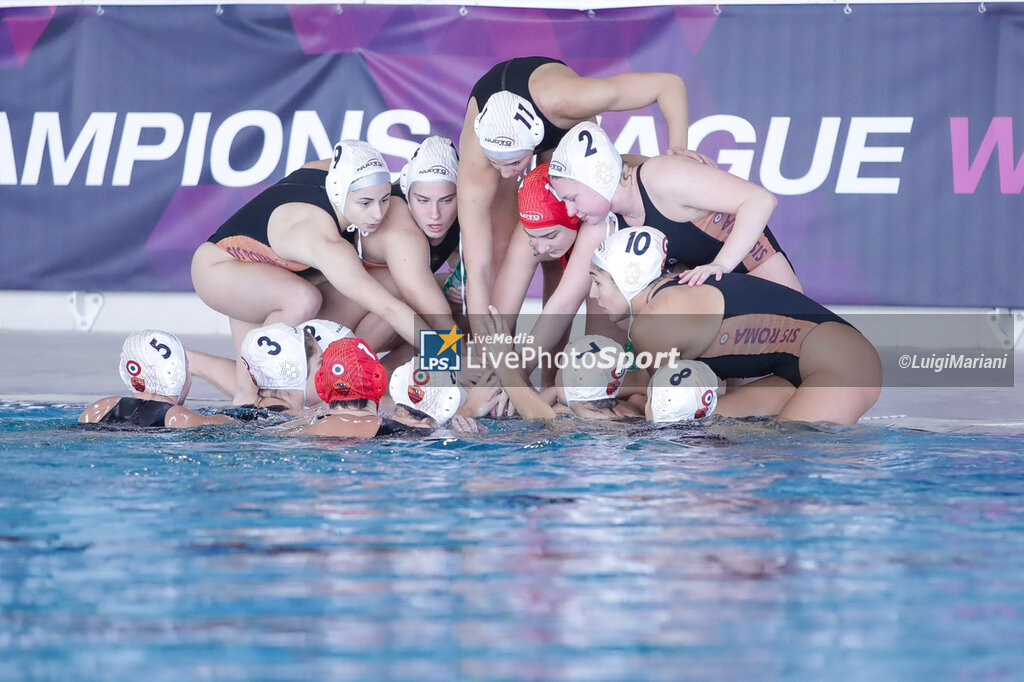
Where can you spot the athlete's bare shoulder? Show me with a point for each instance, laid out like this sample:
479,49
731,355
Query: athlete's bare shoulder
98,410
318,164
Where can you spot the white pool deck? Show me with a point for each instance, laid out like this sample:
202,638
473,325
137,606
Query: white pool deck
48,356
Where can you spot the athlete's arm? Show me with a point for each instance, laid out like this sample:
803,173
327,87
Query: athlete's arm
407,253
217,371
179,417
98,410
517,271
514,379
572,290
580,98
686,184
312,238
477,187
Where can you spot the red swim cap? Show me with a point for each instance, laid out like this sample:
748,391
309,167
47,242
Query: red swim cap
538,205
351,371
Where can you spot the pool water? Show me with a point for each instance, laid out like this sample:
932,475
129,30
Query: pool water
732,551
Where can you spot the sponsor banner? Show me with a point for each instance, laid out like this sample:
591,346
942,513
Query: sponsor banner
892,136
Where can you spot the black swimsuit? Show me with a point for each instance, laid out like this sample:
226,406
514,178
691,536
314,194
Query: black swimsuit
439,253
138,412
693,244
244,235
764,325
514,75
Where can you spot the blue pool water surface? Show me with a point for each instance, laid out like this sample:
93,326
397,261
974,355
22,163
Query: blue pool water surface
733,551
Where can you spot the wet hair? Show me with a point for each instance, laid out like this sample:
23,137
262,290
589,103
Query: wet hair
414,413
603,404
354,404
311,346
273,393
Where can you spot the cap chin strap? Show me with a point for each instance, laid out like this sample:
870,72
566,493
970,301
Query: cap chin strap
359,238
611,224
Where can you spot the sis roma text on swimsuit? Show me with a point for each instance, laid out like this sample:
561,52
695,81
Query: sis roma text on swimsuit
93,147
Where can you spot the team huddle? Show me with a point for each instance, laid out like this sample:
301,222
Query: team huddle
329,276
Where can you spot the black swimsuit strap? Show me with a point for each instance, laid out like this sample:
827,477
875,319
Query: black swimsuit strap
664,285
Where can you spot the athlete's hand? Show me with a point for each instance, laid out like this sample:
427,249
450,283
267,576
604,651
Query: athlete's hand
466,425
504,407
480,400
454,295
699,274
693,155
498,340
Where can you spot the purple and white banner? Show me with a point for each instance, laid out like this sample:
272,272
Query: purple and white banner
893,136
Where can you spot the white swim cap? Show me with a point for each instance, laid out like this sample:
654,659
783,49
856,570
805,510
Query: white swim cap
683,390
508,125
435,160
356,165
587,155
325,331
153,361
437,394
591,374
276,357
634,258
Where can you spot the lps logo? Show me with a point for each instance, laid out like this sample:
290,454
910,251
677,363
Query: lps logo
440,350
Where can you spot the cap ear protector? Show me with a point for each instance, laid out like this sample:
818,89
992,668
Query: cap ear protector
330,379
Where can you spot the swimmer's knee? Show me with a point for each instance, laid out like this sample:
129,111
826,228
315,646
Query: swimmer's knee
305,303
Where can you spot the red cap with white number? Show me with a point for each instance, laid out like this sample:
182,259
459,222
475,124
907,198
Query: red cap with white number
351,371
